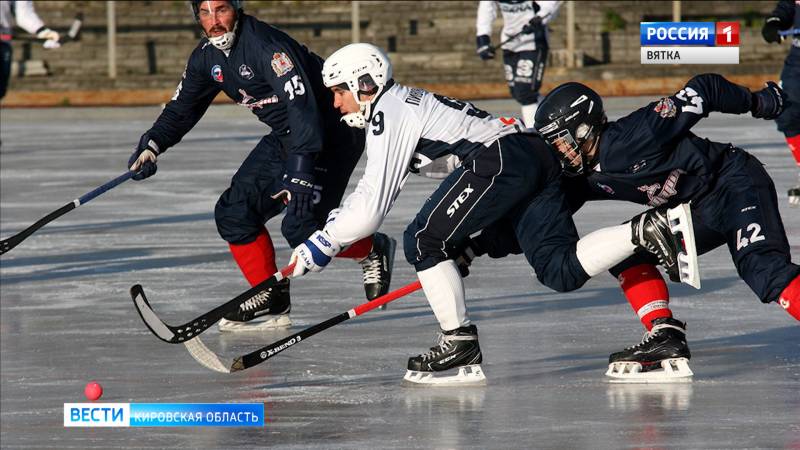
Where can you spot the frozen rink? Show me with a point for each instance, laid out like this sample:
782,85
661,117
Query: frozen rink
67,317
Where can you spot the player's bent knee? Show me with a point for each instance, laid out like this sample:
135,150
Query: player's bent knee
234,227
561,284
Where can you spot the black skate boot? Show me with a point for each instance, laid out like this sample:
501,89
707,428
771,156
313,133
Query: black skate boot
655,231
377,267
666,341
272,304
457,349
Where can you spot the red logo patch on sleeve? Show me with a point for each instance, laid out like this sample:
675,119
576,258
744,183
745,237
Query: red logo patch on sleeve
281,64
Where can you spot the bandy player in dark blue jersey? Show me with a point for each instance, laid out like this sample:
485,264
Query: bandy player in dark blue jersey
786,18
305,161
651,157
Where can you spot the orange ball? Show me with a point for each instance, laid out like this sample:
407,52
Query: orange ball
93,390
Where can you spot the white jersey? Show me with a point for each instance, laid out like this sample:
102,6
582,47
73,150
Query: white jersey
24,15
516,14
409,129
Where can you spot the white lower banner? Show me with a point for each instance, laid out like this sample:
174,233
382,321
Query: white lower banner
690,55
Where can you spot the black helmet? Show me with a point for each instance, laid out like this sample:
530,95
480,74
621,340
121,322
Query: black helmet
236,4
567,117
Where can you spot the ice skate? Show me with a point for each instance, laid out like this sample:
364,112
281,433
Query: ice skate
794,194
657,231
455,361
377,267
662,356
266,311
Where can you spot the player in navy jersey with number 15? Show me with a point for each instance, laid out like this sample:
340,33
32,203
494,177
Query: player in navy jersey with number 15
305,161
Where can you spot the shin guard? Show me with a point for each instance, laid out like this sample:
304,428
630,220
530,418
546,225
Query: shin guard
256,259
647,293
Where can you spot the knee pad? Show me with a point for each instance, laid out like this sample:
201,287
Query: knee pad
524,93
235,228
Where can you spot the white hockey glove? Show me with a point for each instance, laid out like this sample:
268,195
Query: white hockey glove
332,215
51,38
314,254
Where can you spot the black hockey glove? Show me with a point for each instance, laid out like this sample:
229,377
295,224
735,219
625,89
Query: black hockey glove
464,256
485,49
768,102
533,25
299,182
771,28
143,159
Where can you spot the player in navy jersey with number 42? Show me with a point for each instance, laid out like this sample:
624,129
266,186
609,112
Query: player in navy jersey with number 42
652,157
305,161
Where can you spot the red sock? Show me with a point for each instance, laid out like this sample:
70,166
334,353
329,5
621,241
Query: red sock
256,259
358,250
790,298
794,146
646,291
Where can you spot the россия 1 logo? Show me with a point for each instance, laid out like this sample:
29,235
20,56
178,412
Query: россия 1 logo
689,42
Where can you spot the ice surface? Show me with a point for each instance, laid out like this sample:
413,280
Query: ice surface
67,317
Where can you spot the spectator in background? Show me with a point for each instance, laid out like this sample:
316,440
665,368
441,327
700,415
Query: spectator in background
524,46
786,16
21,12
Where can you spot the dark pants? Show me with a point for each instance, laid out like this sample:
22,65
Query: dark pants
515,183
244,208
742,212
5,66
524,71
789,121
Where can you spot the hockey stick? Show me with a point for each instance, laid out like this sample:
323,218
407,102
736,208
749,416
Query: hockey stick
510,38
211,360
789,32
74,29
13,241
177,334
72,34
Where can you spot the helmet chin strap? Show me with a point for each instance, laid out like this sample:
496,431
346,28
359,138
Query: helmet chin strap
359,119
355,120
225,41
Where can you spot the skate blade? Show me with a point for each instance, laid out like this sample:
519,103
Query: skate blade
471,375
272,323
674,370
680,221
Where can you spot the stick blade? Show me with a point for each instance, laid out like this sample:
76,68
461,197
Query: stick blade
5,245
149,317
680,222
202,354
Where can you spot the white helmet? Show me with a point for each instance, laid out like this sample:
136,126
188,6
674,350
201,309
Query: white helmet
365,69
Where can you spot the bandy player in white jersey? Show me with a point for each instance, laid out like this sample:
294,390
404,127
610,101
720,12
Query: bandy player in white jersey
525,45
504,174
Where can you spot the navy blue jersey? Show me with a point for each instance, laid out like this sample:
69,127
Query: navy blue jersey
266,71
651,156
